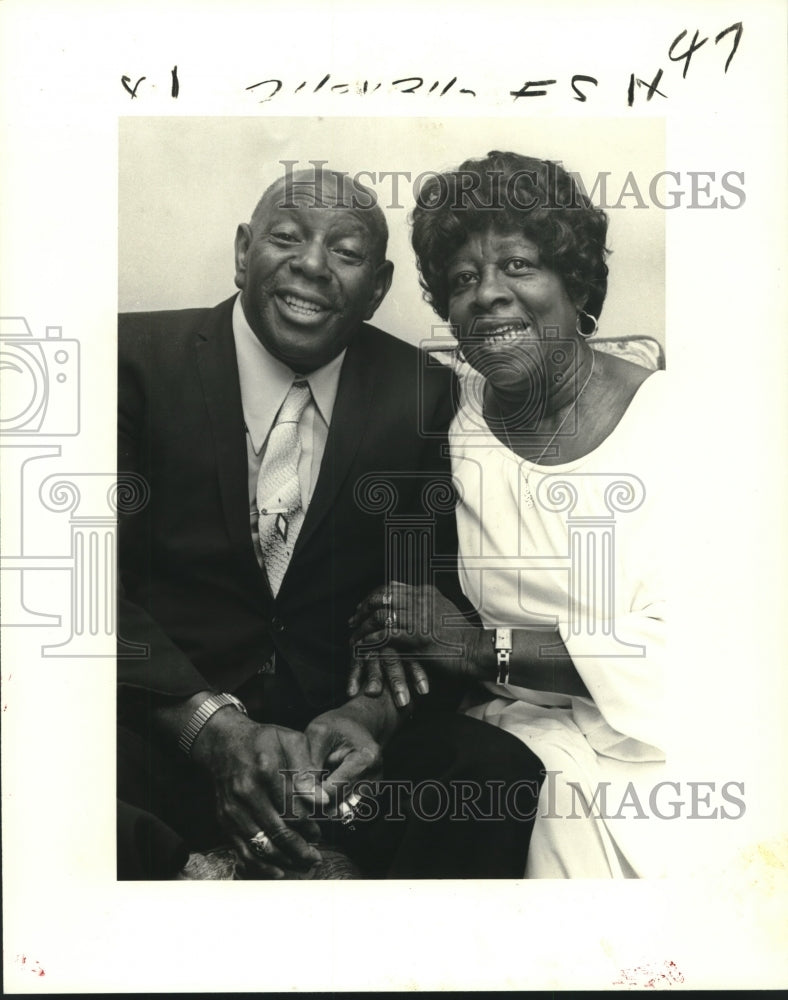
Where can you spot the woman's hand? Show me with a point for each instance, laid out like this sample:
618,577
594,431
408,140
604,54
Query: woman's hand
400,629
372,669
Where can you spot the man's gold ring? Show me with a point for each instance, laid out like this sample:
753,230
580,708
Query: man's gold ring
261,844
347,809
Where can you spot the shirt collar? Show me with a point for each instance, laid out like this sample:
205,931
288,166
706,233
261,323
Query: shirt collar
265,381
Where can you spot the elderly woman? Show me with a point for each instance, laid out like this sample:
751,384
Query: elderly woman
558,458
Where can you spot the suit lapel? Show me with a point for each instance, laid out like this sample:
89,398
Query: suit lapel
348,423
218,370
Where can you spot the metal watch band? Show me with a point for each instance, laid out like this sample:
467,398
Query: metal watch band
502,644
195,724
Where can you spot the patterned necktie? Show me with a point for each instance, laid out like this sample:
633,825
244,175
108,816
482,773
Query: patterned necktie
279,489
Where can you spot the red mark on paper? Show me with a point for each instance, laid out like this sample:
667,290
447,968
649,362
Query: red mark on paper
651,976
33,965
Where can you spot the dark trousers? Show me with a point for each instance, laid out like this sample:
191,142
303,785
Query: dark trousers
457,800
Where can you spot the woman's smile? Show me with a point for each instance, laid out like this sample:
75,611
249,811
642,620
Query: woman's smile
496,330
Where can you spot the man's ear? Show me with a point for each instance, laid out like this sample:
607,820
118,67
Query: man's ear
243,240
383,278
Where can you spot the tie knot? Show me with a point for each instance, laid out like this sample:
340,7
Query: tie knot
295,402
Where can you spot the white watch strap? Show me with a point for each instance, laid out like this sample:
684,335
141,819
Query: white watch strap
195,724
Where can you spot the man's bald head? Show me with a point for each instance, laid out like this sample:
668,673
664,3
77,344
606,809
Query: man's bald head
319,188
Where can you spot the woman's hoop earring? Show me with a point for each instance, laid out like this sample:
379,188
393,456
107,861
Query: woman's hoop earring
579,325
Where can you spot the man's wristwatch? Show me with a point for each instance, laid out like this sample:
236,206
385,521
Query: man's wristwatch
195,724
502,644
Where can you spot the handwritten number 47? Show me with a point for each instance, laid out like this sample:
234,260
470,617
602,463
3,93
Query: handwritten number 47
695,45
686,57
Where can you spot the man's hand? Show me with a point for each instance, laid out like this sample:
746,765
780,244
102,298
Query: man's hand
340,741
398,630
246,760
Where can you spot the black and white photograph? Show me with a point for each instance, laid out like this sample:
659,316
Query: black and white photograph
349,607
387,501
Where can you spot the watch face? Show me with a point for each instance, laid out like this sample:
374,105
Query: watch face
503,638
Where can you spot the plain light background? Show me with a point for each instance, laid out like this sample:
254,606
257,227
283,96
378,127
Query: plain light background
185,184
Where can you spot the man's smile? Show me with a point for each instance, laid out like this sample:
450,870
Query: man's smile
297,307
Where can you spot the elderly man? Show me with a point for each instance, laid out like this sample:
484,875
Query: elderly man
261,427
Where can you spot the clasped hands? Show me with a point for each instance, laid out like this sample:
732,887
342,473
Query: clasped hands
268,783
271,782
400,628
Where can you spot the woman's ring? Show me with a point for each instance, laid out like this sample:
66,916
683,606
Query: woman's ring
261,844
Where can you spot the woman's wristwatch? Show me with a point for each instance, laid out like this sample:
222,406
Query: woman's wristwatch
195,724
502,644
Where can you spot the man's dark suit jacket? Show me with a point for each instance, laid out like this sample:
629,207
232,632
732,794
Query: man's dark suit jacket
192,590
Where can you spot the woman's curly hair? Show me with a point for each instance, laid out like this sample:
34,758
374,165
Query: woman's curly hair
507,191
